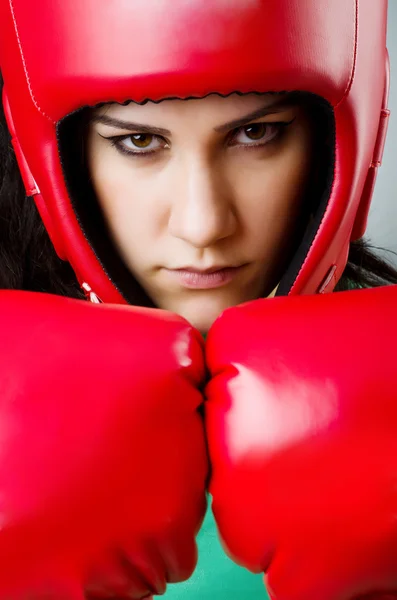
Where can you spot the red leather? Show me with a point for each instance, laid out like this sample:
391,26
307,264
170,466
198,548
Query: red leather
302,440
103,459
61,55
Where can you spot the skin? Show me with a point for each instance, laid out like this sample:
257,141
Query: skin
205,193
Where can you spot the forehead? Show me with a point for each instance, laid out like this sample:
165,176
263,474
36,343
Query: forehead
90,51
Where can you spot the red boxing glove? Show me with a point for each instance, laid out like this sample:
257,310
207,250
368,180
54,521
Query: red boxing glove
302,429
102,449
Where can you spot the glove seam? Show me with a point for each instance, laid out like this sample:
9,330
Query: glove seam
12,9
354,59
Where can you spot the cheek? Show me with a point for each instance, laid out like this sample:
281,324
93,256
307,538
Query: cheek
270,192
130,202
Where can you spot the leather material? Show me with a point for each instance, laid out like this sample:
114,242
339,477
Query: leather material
302,441
57,56
103,462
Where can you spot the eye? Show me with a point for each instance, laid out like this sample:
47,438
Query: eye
137,144
256,131
258,134
140,143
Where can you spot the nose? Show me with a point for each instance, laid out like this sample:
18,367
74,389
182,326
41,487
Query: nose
202,211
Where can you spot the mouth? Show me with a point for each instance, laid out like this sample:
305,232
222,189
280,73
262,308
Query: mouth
205,279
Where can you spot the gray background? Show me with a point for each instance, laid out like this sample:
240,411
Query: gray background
382,225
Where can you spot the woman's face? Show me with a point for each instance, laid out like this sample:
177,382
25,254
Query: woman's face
202,197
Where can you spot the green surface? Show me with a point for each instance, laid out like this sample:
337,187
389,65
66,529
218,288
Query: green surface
216,576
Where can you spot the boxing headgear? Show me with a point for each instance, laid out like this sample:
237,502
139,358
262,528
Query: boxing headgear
57,56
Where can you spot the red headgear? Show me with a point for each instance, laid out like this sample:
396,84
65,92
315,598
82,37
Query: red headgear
57,56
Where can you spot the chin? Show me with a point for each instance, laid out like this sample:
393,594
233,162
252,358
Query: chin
200,319
203,312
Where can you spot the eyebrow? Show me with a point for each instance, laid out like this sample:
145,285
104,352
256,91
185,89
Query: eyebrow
274,108
271,109
128,125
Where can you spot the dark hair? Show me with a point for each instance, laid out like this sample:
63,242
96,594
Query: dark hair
366,268
28,260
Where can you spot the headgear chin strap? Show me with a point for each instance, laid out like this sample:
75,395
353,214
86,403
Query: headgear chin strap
59,56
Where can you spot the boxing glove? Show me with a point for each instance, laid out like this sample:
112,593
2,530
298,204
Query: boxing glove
301,419
103,459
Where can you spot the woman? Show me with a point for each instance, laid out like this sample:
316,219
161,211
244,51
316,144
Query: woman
304,148
172,169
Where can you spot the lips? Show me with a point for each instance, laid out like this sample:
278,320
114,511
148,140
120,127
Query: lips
210,278
212,269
